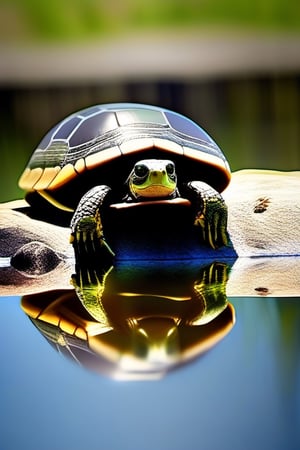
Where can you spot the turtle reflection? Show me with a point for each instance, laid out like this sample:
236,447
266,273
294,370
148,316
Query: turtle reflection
136,321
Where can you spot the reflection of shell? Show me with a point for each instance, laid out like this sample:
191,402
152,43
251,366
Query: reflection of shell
148,351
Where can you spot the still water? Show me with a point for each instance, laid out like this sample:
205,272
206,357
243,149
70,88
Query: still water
243,393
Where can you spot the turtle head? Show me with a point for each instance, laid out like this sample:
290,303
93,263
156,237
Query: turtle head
153,178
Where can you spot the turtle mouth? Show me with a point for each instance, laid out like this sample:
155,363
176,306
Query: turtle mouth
153,190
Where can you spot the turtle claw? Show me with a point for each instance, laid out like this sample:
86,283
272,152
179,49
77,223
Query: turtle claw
213,229
93,256
87,235
211,217
88,240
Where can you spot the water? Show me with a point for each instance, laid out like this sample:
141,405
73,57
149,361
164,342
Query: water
243,393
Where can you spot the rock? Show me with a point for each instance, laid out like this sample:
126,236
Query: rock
264,213
263,223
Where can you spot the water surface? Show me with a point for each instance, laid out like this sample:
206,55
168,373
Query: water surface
243,393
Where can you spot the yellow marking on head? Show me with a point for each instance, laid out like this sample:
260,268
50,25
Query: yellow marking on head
152,190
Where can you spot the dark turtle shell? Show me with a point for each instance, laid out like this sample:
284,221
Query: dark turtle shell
100,144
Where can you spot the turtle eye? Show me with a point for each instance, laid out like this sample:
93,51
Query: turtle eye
170,168
140,170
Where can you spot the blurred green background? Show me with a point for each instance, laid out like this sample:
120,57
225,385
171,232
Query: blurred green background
243,86
77,19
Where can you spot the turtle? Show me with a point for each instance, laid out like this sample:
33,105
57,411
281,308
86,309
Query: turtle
131,153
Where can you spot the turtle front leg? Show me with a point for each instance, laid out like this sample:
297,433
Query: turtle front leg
87,235
211,213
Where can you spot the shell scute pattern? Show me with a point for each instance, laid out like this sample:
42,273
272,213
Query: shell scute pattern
93,127
99,134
